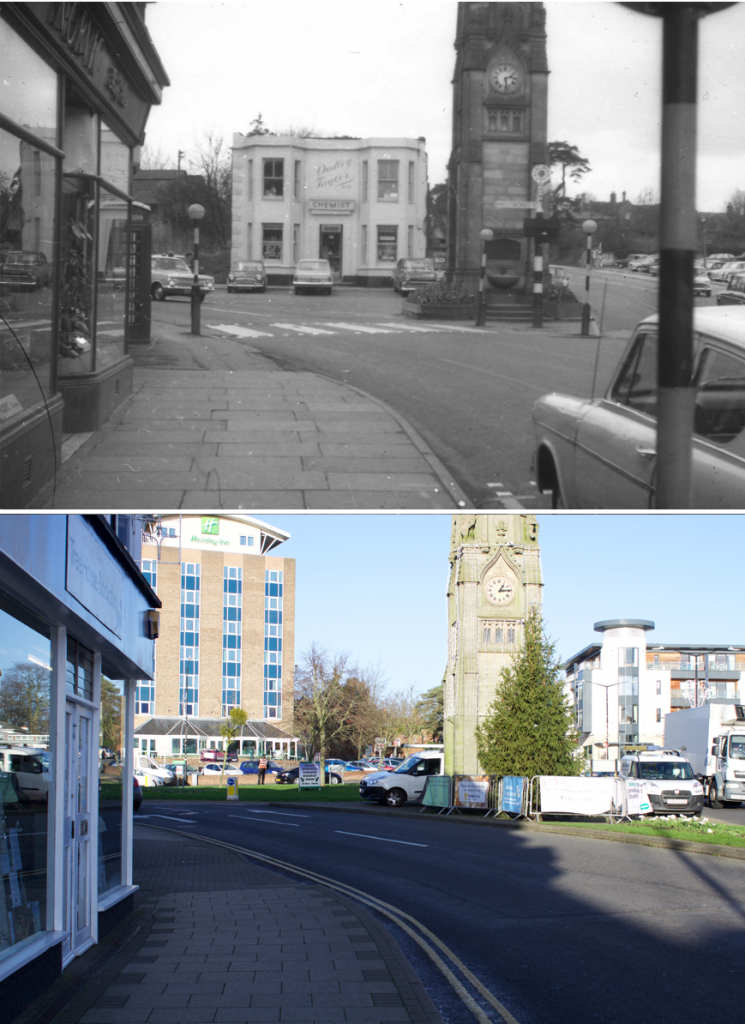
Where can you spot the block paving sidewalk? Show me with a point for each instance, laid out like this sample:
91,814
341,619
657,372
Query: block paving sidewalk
230,942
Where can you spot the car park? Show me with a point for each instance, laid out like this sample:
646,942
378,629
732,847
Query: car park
246,276
26,270
735,293
252,767
410,274
361,766
732,269
601,453
722,271
214,769
289,776
313,276
172,275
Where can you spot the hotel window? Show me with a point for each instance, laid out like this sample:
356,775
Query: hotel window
387,243
411,181
150,572
296,181
365,179
273,614
388,180
247,542
274,178
232,615
189,639
271,242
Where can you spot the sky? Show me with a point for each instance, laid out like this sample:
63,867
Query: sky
373,586
384,68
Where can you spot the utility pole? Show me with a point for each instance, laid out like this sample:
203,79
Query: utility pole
181,155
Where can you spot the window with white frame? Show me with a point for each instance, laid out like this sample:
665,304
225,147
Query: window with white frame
273,626
387,243
271,242
232,615
274,178
388,180
189,639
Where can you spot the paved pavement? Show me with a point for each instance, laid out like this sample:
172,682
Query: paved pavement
222,940
258,437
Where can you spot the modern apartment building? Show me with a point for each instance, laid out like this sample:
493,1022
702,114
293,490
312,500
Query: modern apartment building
226,636
623,686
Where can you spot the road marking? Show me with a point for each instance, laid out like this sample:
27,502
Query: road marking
380,840
243,817
287,814
434,329
361,328
239,332
301,329
168,817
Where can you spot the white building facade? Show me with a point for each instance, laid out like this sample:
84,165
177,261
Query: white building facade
623,687
360,203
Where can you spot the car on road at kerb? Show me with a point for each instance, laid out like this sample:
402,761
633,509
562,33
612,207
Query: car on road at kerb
668,779
289,776
411,274
247,276
172,275
313,276
602,452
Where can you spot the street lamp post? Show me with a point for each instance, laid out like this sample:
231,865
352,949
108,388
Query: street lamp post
486,236
196,212
589,227
703,238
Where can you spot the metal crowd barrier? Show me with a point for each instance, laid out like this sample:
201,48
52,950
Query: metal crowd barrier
617,803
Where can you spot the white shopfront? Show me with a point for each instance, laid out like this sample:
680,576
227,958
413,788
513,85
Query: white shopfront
360,203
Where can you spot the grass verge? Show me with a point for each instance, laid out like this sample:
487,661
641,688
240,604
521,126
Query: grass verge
345,793
692,829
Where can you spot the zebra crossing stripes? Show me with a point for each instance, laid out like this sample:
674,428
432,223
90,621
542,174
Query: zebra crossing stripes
239,332
340,327
302,329
366,328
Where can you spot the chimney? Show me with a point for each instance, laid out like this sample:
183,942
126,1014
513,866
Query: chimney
623,197
613,201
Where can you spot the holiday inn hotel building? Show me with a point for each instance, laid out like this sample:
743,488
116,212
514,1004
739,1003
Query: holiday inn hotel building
226,635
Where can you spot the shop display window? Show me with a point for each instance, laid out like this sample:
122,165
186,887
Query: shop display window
76,285
25,778
387,244
27,189
110,804
113,237
271,243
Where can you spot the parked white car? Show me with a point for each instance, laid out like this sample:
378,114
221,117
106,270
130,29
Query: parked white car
146,779
147,765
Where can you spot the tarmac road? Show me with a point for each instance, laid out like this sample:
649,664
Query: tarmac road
560,929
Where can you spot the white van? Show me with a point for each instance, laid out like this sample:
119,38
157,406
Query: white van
669,780
31,767
151,769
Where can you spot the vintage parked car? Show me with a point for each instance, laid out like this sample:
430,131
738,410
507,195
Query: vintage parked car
701,283
172,275
247,276
312,276
25,270
411,274
601,453
641,263
735,293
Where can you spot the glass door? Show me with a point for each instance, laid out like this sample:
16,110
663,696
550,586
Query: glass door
77,848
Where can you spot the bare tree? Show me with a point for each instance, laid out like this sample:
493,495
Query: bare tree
323,703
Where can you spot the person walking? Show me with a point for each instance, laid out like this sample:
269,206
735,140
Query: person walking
262,770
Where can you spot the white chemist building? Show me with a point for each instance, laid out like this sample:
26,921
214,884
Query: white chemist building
74,608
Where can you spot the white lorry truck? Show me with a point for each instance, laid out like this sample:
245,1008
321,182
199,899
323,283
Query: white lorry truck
406,782
712,737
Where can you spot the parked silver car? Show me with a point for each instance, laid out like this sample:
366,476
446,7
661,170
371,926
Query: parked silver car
313,276
601,453
411,274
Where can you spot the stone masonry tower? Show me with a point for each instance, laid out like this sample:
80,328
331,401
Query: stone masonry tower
500,104
495,579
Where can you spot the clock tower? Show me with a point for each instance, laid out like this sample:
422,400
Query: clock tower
495,578
500,104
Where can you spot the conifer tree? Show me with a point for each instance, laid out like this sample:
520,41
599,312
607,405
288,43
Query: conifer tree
529,728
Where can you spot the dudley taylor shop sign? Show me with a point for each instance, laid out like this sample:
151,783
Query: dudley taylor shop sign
93,577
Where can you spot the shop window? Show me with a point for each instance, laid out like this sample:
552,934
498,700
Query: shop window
274,178
388,180
26,778
27,227
387,244
110,803
271,242
29,87
76,285
113,238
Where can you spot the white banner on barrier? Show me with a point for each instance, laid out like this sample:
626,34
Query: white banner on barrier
570,795
637,801
472,791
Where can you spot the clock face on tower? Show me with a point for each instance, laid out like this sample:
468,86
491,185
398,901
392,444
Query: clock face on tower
500,590
505,78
